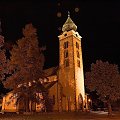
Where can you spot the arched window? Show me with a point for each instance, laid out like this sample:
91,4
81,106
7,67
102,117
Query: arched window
78,63
66,62
65,53
78,54
65,44
77,45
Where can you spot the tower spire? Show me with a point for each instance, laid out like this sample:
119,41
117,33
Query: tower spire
69,24
68,13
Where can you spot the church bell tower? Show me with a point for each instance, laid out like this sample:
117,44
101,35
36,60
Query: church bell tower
71,78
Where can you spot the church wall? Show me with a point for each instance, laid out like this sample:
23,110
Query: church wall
67,74
53,91
79,75
8,104
71,77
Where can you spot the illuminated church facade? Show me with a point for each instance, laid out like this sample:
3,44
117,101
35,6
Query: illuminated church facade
67,80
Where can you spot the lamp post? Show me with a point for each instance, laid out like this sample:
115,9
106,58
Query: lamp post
89,103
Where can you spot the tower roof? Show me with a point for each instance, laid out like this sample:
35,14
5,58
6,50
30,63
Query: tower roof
69,24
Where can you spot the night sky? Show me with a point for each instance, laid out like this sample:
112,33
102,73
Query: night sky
98,23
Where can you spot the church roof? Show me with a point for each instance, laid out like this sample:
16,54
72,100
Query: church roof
51,71
69,24
48,85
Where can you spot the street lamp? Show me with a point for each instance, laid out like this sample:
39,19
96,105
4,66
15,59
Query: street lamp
89,103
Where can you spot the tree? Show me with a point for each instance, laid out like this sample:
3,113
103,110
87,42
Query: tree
3,66
3,60
105,79
25,66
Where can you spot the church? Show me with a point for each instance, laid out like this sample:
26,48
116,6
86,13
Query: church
66,80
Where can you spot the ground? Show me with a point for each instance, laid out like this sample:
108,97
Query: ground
61,116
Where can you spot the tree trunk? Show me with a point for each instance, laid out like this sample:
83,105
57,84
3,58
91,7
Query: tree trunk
109,108
48,106
27,105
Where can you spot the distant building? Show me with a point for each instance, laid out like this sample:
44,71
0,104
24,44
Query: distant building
66,81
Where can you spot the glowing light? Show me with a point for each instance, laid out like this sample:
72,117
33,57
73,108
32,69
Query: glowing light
89,100
77,9
59,14
58,4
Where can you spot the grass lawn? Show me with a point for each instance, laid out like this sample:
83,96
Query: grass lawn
60,116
